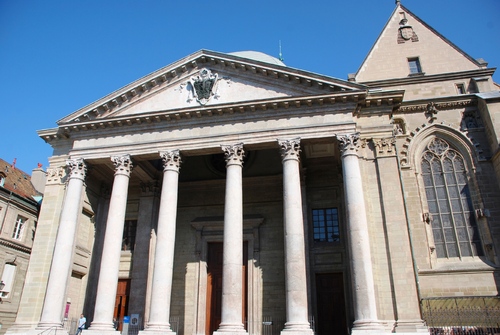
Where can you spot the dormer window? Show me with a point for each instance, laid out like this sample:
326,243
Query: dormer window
414,65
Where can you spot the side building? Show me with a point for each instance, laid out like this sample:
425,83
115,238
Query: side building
228,193
20,198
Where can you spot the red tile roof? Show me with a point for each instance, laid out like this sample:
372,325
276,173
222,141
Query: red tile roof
17,180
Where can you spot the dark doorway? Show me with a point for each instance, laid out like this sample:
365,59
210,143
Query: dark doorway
214,286
330,304
121,302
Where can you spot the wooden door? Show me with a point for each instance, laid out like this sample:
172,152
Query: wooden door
330,304
214,286
121,302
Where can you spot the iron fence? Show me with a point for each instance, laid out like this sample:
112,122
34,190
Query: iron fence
462,315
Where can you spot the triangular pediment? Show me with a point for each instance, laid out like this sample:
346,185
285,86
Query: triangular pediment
206,80
406,38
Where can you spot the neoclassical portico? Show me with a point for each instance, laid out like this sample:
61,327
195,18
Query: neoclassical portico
297,309
253,174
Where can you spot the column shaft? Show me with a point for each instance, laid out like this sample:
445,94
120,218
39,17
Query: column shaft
53,307
232,309
365,309
295,263
165,244
110,262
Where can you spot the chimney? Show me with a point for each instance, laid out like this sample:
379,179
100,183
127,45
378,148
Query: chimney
38,178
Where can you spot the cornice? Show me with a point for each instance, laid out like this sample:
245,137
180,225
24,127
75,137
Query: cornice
430,78
15,246
185,114
380,97
441,103
198,60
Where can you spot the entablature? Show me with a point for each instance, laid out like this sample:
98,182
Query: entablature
188,114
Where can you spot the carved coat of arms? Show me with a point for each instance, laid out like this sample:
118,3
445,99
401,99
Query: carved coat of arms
406,32
204,85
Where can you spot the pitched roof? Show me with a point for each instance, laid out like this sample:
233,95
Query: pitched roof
17,181
406,36
254,64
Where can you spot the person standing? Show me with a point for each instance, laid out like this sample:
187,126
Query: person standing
81,324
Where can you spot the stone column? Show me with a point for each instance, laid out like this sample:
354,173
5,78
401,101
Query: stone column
110,261
232,289
141,270
365,309
161,291
406,301
60,270
295,261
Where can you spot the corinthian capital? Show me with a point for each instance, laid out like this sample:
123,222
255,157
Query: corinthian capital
123,164
349,143
55,175
385,146
233,154
171,160
290,149
77,168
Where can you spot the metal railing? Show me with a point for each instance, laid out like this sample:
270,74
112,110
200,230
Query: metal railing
462,315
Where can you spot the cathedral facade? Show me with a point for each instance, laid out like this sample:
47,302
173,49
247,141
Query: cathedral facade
229,193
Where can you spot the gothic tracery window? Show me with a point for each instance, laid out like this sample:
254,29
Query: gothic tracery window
453,222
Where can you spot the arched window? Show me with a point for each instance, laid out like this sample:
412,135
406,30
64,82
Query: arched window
453,223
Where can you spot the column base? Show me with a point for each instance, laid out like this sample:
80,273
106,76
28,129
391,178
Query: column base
230,329
297,329
156,332
411,326
369,327
99,332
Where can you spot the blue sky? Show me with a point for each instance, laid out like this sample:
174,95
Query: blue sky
58,56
